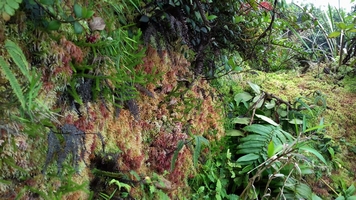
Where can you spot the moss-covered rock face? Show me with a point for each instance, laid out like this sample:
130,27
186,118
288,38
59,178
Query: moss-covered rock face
176,108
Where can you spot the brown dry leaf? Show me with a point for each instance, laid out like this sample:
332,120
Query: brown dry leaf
97,24
5,16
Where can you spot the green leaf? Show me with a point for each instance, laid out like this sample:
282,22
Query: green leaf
77,10
341,25
78,28
270,149
54,25
13,82
295,121
351,198
242,97
234,133
281,112
334,34
47,2
315,197
199,141
9,10
267,119
255,87
18,57
238,120
120,185
313,151
211,17
13,4
248,157
271,104
260,100
175,155
350,191
86,14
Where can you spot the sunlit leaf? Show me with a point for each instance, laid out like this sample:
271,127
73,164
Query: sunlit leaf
270,149
313,151
243,120
255,87
341,25
271,104
234,133
295,121
242,97
211,17
334,34
267,119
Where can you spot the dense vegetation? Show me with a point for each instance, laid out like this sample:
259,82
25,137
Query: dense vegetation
176,99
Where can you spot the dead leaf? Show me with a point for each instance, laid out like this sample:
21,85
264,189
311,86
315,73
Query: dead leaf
97,24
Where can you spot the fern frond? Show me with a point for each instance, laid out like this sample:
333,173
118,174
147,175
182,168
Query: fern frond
13,82
255,145
18,57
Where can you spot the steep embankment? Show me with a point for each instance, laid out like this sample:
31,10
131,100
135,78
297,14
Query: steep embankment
129,145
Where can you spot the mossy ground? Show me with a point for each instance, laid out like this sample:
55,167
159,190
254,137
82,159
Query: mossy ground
339,116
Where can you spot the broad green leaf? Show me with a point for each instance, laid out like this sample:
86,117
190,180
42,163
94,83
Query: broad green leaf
242,97
352,30
234,133
267,119
351,197
334,34
295,121
313,151
270,149
340,198
77,10
281,112
260,100
255,87
351,190
13,4
211,17
244,120
53,25
248,157
271,104
78,28
9,10
342,25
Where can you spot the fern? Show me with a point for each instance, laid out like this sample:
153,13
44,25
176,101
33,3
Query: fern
255,145
13,82
18,57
